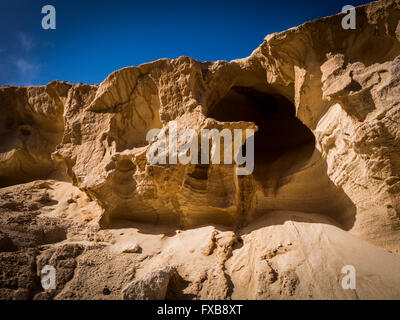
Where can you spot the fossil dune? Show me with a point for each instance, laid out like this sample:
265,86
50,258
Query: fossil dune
77,192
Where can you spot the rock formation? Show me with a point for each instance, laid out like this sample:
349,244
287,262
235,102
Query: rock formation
78,193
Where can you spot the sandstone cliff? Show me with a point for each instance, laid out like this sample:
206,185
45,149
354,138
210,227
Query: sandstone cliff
78,193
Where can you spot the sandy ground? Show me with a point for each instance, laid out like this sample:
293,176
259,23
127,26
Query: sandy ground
281,255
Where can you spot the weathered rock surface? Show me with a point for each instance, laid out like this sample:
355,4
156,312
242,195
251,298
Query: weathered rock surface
153,286
77,190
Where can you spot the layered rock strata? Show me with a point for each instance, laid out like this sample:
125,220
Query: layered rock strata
325,105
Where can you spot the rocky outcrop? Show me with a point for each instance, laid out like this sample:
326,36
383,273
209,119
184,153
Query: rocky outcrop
324,103
153,286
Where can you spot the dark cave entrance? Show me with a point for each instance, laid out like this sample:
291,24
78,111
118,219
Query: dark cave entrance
290,175
280,135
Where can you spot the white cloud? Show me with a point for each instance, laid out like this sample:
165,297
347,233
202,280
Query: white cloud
26,42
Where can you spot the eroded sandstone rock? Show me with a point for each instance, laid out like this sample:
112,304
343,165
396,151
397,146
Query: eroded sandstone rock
324,103
327,119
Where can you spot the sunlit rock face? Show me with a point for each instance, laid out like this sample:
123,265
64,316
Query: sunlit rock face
324,106
323,101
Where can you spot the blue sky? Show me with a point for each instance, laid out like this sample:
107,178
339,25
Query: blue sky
94,37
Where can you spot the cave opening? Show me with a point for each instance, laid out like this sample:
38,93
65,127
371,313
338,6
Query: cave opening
280,136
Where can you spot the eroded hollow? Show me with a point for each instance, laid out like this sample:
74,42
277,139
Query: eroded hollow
279,131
